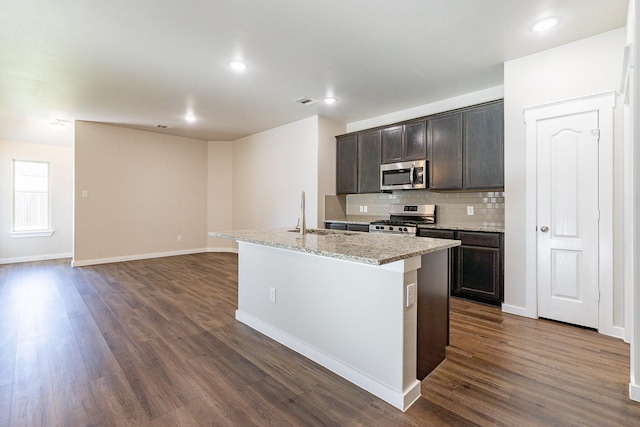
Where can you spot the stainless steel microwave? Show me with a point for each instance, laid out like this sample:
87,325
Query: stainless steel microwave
404,176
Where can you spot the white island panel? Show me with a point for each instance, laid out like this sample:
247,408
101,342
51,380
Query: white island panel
349,317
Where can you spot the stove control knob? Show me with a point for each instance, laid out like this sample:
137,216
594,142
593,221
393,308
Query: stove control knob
390,228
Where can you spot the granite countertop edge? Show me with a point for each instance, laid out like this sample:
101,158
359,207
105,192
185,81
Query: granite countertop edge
270,238
458,227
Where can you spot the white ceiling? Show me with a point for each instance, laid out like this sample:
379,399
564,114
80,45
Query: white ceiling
146,62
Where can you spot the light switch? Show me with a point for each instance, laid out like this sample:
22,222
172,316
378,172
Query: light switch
469,210
85,194
411,294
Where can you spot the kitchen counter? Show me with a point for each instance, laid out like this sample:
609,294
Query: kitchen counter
372,308
465,227
365,248
492,228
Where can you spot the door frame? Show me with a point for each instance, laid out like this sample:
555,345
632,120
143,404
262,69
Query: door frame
604,103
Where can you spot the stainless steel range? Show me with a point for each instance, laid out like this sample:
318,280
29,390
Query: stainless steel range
404,219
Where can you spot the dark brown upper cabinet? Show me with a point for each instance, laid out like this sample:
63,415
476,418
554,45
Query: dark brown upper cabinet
467,149
445,165
484,147
358,163
347,164
369,161
404,142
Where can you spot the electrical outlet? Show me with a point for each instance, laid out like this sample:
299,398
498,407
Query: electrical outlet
411,294
361,208
179,238
85,194
366,208
272,295
469,210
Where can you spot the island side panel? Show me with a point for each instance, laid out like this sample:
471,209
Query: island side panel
351,312
433,311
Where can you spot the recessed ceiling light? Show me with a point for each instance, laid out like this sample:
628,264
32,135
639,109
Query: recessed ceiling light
237,66
330,100
190,118
545,24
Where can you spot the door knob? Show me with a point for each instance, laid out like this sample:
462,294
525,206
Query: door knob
544,228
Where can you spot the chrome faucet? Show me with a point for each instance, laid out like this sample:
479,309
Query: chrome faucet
303,222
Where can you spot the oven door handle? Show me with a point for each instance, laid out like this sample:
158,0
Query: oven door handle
412,175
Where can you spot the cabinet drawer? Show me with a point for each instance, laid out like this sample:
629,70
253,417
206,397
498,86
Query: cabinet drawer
336,226
436,234
358,227
487,240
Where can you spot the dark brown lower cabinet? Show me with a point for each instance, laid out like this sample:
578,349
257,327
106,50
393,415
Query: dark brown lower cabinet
476,266
346,226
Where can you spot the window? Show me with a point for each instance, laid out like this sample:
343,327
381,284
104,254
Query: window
31,201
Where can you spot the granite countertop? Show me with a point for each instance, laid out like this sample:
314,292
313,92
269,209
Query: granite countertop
460,227
465,227
362,247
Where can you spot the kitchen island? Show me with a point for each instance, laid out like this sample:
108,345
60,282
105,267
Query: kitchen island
350,302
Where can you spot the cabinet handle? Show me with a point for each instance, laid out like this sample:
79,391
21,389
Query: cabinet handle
544,228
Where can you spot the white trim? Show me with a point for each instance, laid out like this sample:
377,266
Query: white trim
84,263
517,310
400,400
634,392
35,258
231,250
27,234
604,104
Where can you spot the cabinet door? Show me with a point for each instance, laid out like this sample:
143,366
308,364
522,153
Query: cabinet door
478,273
484,147
392,144
347,164
415,141
369,162
445,141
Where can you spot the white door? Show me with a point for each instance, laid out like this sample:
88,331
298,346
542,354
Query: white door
567,224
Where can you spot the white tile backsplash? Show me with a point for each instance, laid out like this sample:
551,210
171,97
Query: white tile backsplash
451,208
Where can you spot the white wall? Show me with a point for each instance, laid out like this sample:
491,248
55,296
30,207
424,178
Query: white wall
144,190
585,67
270,170
219,193
448,104
59,245
327,131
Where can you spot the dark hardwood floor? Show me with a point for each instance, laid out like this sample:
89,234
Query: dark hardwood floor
155,343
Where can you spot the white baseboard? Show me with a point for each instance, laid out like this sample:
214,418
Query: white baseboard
634,392
400,400
87,262
34,258
517,310
613,331
230,250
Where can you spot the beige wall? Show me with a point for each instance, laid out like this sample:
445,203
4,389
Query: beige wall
61,179
219,193
270,170
585,67
144,190
327,131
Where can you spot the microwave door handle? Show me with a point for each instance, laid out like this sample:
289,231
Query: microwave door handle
411,175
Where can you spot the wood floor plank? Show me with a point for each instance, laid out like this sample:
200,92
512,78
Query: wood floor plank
155,342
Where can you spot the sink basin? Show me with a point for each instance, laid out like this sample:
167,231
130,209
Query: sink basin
324,232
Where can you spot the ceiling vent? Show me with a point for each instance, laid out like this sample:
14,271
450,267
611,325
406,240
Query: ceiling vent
306,101
162,126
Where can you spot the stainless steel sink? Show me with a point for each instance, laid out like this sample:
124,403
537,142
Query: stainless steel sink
324,232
